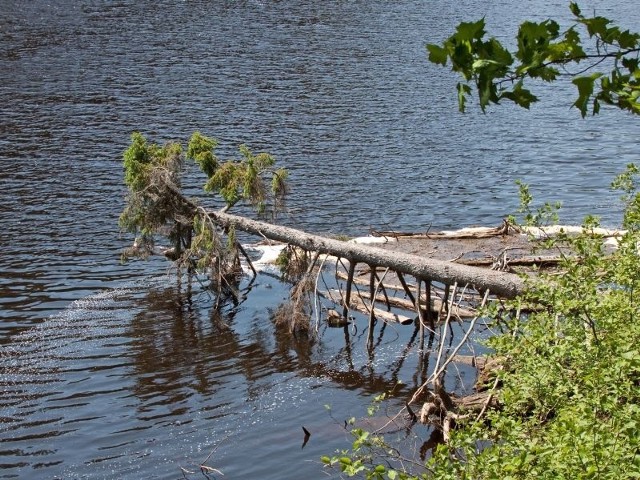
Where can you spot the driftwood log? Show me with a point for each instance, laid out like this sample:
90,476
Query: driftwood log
505,285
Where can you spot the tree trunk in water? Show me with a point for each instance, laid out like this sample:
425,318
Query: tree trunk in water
505,285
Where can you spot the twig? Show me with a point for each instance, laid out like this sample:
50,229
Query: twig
371,313
563,61
420,319
347,295
384,290
488,400
246,257
441,347
407,290
437,372
315,296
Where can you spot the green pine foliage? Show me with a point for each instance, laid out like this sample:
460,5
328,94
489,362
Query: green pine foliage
244,179
201,149
148,170
156,207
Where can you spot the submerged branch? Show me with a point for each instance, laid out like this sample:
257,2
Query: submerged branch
503,284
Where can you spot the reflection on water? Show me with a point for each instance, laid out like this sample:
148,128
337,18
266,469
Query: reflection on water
146,379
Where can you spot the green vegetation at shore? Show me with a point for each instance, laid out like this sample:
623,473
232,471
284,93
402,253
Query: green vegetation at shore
569,382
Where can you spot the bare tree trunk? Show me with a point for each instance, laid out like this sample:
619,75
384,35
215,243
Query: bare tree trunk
503,284
506,285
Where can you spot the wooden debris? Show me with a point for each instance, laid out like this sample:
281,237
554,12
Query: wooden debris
503,284
358,305
464,233
406,304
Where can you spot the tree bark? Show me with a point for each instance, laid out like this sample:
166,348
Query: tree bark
506,285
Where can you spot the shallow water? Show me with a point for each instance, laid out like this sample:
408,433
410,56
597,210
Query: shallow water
115,371
141,380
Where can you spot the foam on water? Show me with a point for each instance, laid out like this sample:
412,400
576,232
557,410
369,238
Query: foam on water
51,374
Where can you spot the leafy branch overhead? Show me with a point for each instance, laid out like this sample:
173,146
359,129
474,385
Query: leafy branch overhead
608,63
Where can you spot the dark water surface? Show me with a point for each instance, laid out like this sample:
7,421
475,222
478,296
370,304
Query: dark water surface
116,371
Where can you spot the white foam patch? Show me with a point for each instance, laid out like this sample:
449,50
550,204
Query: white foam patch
551,230
267,260
370,240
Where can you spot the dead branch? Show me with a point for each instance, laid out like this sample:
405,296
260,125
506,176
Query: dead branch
358,305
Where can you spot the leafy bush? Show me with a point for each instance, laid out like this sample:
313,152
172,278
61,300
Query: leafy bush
544,52
570,395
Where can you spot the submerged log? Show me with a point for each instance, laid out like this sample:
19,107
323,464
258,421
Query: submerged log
506,285
356,303
409,304
404,304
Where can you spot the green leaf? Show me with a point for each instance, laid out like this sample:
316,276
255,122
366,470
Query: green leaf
496,52
628,39
585,90
533,42
596,106
437,54
575,9
631,64
487,90
463,91
572,37
468,31
483,63
596,26
520,96
548,74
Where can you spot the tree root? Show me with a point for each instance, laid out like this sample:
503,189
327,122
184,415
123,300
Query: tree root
444,411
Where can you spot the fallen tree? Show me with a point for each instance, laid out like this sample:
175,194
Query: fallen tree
503,284
204,239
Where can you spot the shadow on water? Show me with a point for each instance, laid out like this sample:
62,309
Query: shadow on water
146,378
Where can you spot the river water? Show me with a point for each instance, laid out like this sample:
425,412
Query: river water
113,370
